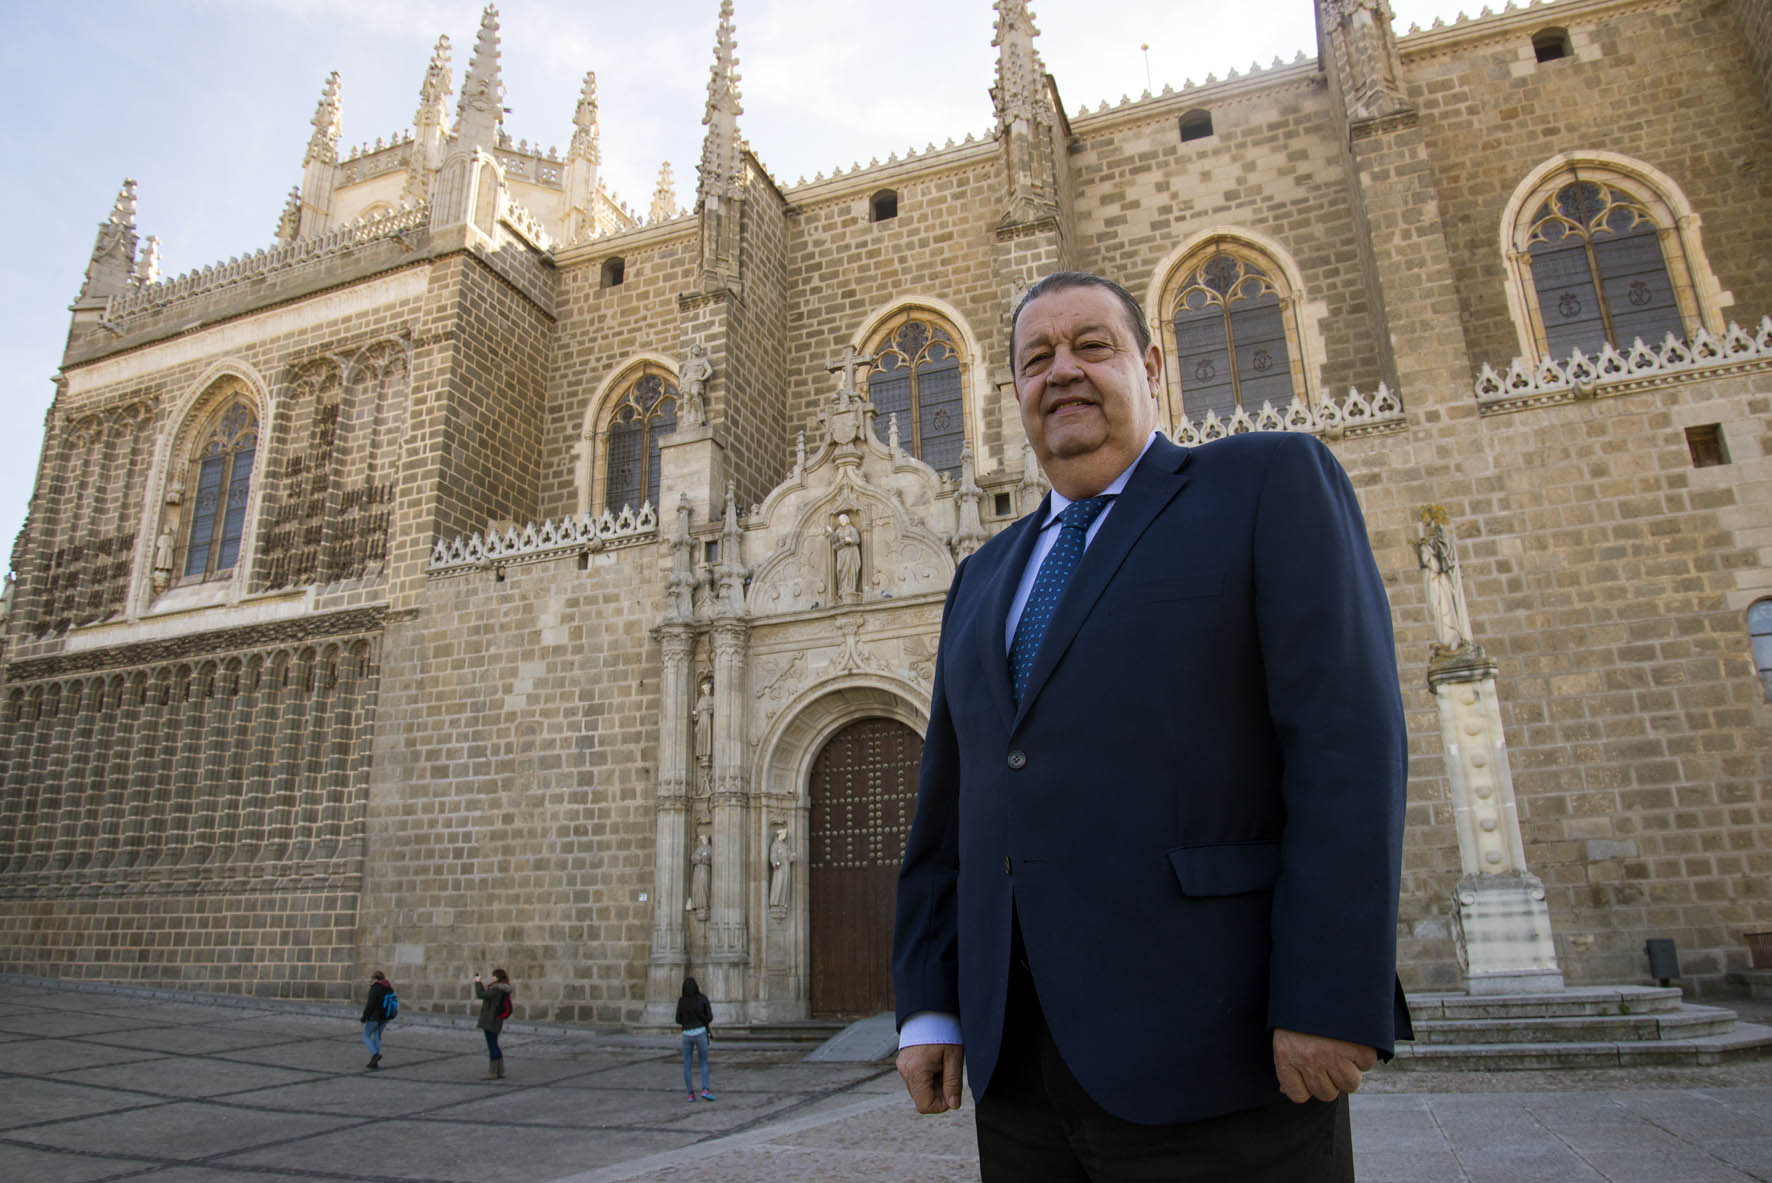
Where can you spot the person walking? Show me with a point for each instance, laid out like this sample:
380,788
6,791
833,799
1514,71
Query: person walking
375,1015
495,1008
695,1014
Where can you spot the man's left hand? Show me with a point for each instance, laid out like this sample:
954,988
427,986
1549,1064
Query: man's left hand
1317,1066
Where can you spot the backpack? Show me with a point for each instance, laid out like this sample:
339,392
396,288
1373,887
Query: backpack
390,1006
504,1007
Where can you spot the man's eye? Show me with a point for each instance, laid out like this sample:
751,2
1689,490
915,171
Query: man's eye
1034,361
1095,347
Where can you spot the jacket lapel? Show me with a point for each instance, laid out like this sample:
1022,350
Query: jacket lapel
1159,478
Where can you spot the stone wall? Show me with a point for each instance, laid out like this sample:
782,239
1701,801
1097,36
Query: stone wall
510,814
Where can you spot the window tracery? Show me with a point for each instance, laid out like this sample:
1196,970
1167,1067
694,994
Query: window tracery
1602,249
220,479
918,375
1232,331
644,415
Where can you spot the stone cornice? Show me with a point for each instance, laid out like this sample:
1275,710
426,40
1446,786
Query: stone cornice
199,646
1512,22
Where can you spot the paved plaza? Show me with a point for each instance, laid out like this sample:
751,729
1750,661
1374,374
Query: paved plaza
104,1084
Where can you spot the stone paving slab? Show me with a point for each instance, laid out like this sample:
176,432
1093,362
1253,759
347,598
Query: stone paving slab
91,1102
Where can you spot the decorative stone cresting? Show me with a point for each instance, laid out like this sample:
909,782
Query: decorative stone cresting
550,540
1530,383
1354,416
389,224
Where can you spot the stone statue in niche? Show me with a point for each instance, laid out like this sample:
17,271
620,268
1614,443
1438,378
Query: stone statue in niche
846,540
696,373
781,868
701,873
163,560
704,731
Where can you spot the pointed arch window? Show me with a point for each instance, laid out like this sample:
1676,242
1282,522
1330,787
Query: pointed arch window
1233,339
1759,627
221,478
645,414
1599,274
918,375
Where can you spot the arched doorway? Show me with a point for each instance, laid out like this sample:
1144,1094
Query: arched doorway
863,793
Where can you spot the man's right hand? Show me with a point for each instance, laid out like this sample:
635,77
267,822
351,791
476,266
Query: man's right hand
931,1073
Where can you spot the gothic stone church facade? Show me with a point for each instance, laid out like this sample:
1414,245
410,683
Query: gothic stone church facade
485,573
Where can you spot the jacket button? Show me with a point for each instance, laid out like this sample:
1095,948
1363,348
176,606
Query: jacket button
1006,869
1018,760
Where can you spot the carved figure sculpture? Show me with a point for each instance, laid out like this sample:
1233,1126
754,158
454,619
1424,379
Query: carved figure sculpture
704,724
701,872
696,372
781,859
847,541
163,560
1445,597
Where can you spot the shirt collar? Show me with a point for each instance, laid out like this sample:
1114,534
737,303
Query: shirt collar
1059,502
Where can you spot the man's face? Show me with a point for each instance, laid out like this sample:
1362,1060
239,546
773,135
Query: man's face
1088,397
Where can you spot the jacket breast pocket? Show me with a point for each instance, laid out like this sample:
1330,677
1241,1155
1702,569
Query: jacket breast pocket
1226,868
1181,587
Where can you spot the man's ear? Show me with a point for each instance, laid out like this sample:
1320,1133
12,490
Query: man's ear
1153,368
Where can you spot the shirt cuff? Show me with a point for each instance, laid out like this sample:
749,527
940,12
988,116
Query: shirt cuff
930,1026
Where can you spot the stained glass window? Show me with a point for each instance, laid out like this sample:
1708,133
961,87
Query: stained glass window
1230,339
1599,272
223,484
646,414
916,376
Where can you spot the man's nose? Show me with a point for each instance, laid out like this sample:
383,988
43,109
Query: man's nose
1064,368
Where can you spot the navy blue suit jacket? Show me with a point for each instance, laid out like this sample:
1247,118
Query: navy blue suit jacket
1196,810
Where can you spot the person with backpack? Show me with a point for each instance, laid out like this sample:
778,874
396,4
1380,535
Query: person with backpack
495,1008
378,1011
695,1014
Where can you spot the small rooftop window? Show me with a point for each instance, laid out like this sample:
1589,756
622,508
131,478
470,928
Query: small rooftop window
1196,125
614,271
883,205
1551,45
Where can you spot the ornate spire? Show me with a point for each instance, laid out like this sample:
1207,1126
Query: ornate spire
430,126
721,168
435,91
328,121
1021,75
481,115
289,222
113,252
147,265
1364,47
584,124
664,197
439,84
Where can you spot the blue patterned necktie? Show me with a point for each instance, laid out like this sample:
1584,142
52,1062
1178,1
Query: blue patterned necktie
1055,572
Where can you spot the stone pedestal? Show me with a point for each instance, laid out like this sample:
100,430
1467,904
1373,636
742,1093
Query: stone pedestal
692,463
1504,936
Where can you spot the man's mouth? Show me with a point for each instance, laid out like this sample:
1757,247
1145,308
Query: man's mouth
1066,404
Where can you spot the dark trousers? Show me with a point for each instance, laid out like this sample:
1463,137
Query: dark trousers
1037,1125
492,1052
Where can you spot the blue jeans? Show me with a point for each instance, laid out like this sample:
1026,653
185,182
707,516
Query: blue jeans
372,1035
492,1052
692,1045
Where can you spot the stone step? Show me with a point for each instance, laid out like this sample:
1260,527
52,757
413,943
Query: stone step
1745,1041
1689,1022
1577,1000
1754,983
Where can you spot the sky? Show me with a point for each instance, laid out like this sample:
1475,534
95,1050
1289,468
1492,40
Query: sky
207,105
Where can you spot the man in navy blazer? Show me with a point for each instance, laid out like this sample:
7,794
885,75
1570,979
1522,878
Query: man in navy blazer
1154,898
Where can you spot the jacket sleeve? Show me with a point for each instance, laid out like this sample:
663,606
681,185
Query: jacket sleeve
1329,658
925,935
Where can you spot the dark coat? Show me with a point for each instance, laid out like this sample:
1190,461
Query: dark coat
1197,809
490,997
372,1008
696,1011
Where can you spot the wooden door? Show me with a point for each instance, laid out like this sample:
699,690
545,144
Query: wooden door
863,792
